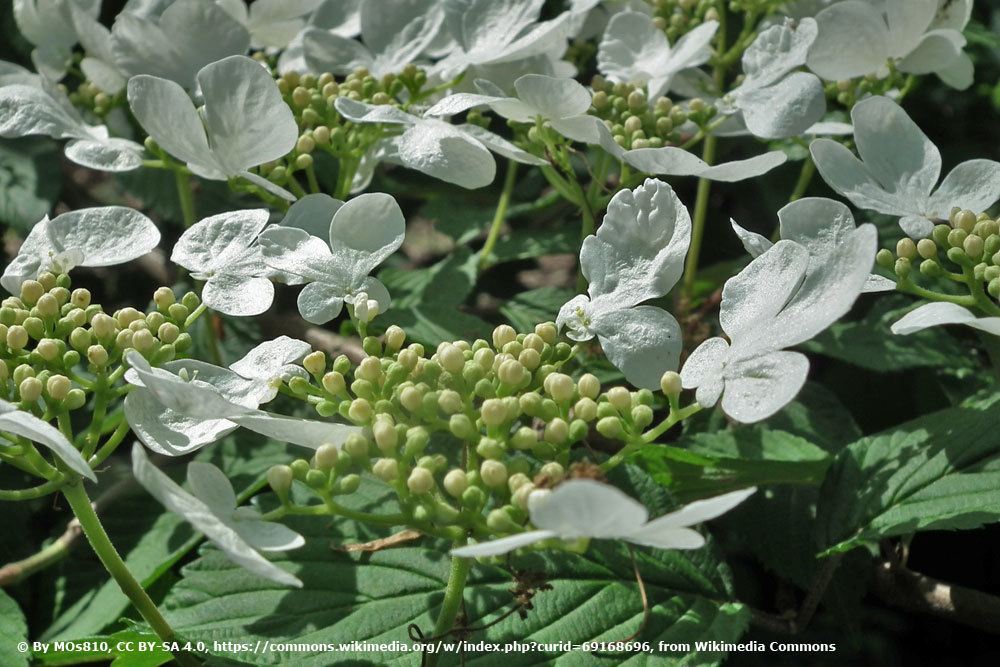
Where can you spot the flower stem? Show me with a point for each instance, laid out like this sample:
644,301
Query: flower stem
805,177
452,602
78,500
499,216
700,213
184,195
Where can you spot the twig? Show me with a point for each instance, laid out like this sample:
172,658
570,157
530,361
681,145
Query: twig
795,622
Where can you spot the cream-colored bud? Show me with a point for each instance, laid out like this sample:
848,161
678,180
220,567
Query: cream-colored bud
559,386
47,306
450,402
168,332
451,358
17,337
57,386
670,383
30,389
502,335
369,369
421,480
386,470
48,348
548,332
80,297
493,473
97,355
511,372
394,338
31,292
315,362
143,340
494,412
103,325
385,435
456,482
620,398
589,386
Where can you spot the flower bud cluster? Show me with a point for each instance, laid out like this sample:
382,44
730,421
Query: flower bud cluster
967,246
677,17
88,96
849,92
54,341
463,434
633,121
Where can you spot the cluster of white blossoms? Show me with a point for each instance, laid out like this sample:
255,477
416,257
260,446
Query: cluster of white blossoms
184,71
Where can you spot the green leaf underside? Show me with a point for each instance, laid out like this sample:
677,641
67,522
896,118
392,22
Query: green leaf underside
374,597
938,472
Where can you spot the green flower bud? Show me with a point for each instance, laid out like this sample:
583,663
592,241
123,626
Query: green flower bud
884,258
450,402
315,362
385,436
360,411
552,472
178,312
956,238
420,481
556,431
524,438
559,386
455,483
30,389
317,479
520,496
190,301
326,408
642,416
57,386
298,385
516,481
493,473
326,456
494,412
407,359
462,428
386,470
31,292
973,246
931,268
356,445
906,248
349,483
902,267
488,448
280,477
473,498
994,288
610,427
75,399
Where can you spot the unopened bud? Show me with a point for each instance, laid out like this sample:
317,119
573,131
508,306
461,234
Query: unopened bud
17,337
326,456
451,358
559,386
511,372
906,248
556,431
385,436
315,362
420,480
280,478
97,355
493,473
610,427
47,306
57,386
386,470
48,348
670,383
360,411
31,292
620,398
456,482
502,335
494,412
30,389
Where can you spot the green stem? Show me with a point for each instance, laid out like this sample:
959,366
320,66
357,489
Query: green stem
805,177
452,602
78,500
499,216
184,195
33,492
908,286
311,179
295,187
676,416
700,213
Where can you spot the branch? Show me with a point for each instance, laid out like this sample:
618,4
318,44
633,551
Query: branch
901,587
795,622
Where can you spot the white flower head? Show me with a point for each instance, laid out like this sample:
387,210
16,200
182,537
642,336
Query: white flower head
239,532
585,509
30,109
98,64
360,235
175,45
937,314
14,421
244,122
899,168
787,295
458,154
102,236
273,362
222,250
859,38
634,50
188,404
392,38
271,23
48,25
489,33
774,101
636,255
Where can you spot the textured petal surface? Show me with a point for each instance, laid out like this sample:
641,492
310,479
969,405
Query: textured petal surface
106,235
757,388
585,508
936,314
17,422
642,342
852,41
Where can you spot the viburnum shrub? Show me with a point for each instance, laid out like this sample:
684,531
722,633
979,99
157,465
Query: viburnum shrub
494,412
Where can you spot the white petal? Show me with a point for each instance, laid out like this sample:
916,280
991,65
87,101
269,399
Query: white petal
668,538
247,120
167,432
442,151
268,359
28,110
295,430
167,114
786,109
499,145
756,388
359,112
327,52
973,185
935,51
739,170
553,98
459,102
238,295
113,155
312,214
642,342
851,178
817,223
673,161
936,314
704,366
908,20
632,49
179,501
211,486
777,51
213,243
319,303
959,74
585,508
266,535
371,224
852,41
26,425
196,399
753,243
294,251
701,510
106,235
502,545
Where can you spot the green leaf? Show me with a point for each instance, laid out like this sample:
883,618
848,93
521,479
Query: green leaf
529,308
446,283
462,222
156,190
30,180
708,464
870,344
374,597
151,540
146,651
432,324
531,243
13,631
938,472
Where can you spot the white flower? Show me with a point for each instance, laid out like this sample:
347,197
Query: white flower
784,297
774,101
360,233
936,314
48,25
899,168
560,101
857,39
585,509
636,255
273,362
455,154
675,161
340,17
26,109
393,38
634,50
98,65
244,122
271,23
239,532
222,251
185,38
102,236
819,225
188,404
499,32
14,421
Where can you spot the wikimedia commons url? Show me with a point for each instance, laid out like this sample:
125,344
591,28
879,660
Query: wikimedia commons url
266,646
